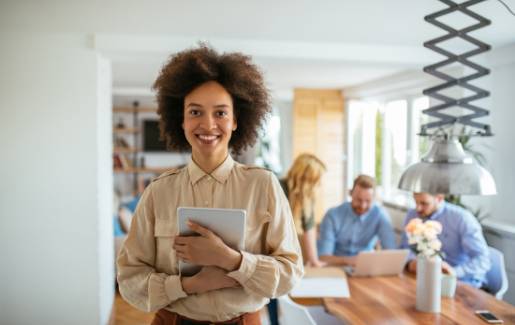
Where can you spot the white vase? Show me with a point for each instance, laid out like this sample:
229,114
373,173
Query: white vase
429,273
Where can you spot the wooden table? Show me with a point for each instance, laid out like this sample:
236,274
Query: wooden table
391,300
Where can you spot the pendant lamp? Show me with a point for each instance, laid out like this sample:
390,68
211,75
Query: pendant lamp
446,169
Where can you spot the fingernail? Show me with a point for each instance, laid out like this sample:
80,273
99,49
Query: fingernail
190,223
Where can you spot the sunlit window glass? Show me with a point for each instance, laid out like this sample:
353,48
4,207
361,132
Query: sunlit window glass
397,126
268,147
421,144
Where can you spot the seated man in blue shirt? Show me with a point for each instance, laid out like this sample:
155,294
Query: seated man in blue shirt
466,252
354,226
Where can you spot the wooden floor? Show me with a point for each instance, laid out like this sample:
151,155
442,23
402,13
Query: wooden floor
124,314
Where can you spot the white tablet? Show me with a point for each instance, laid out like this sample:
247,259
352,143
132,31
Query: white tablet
227,224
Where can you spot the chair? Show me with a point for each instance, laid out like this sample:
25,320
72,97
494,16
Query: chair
497,278
295,314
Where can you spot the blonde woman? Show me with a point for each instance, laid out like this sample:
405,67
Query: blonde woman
299,186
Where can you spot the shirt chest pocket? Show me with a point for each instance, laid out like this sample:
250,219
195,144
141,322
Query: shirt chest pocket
166,262
255,231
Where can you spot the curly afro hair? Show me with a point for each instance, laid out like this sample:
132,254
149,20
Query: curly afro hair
187,70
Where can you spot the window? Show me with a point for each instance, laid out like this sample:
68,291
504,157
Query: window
383,139
268,145
394,142
361,139
420,144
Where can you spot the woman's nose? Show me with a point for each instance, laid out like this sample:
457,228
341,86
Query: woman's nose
208,123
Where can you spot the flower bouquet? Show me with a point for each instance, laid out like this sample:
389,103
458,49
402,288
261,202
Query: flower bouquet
422,236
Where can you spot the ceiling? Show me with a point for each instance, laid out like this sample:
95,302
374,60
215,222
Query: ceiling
308,44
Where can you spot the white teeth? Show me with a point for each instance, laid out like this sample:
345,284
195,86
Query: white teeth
208,137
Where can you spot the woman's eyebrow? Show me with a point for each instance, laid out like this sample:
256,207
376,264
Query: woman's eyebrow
222,106
194,105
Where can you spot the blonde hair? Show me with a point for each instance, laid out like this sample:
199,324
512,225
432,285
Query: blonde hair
365,182
306,172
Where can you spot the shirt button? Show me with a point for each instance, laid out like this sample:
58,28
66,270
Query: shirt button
119,273
236,278
209,178
207,202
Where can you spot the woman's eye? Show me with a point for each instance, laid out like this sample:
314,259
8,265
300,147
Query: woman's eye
194,112
222,113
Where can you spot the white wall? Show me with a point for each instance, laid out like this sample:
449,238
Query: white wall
501,156
105,247
53,182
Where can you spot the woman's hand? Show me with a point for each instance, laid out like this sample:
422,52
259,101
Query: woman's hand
209,278
318,263
206,249
412,266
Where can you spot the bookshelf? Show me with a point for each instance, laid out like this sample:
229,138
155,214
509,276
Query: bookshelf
125,149
125,155
126,130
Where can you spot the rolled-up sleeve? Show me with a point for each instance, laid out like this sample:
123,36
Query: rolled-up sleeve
327,242
277,273
385,230
138,280
474,245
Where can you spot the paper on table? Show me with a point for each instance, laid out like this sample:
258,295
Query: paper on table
322,287
323,272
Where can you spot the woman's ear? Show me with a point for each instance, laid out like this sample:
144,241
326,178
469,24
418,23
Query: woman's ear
182,124
235,125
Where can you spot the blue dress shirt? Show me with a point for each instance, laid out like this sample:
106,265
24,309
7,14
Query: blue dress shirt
462,240
344,233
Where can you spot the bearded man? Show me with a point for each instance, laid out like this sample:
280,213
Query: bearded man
466,252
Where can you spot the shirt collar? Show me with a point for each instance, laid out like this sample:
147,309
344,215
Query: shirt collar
438,212
362,217
221,173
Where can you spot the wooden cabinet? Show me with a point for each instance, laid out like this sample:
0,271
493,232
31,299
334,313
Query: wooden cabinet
319,128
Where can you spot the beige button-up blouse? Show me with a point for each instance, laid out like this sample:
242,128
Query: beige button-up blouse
272,262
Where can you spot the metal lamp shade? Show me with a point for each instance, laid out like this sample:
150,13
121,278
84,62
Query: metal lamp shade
446,169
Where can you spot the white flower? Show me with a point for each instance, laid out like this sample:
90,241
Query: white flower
435,244
419,229
413,240
430,233
428,252
421,247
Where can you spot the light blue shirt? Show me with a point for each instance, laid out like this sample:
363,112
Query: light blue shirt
462,240
344,233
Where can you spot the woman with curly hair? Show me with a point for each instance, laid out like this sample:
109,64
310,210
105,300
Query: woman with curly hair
210,103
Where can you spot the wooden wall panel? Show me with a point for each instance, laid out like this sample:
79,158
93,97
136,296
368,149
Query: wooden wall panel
318,128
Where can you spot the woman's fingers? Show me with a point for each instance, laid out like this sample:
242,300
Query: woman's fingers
180,249
182,256
181,240
184,259
204,232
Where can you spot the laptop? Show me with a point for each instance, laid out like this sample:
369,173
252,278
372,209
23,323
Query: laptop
227,224
378,263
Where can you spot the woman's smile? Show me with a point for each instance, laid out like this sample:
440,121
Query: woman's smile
208,138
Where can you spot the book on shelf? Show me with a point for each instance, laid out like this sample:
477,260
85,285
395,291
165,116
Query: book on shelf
119,142
126,162
117,162
121,161
123,142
